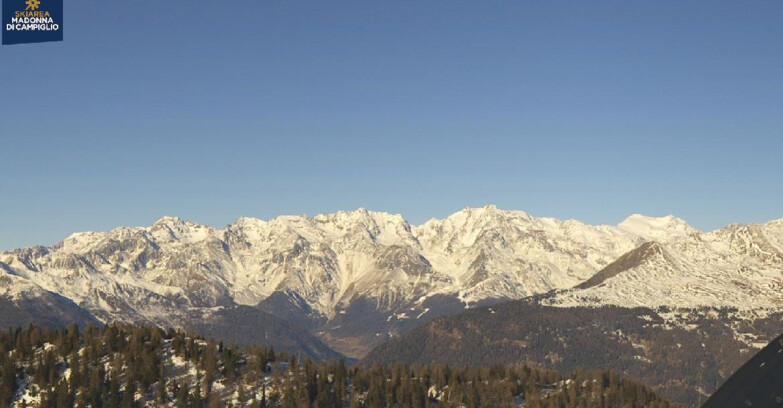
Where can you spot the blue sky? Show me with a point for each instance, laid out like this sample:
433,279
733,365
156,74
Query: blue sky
213,110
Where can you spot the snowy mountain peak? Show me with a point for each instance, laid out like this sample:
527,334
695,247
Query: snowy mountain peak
778,222
378,263
488,215
249,221
168,220
80,241
360,215
656,228
490,209
173,229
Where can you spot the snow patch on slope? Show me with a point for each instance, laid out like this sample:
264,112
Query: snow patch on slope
656,228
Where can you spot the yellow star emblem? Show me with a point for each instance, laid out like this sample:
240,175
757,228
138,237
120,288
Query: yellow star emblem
32,4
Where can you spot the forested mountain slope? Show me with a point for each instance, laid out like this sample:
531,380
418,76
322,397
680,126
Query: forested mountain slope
683,362
124,366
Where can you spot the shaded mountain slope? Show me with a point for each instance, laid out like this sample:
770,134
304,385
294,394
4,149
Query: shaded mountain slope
46,309
758,383
679,361
626,262
247,325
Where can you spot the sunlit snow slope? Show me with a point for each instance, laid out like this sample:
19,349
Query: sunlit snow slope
358,277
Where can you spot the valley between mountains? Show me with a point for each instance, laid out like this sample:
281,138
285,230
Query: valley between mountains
652,298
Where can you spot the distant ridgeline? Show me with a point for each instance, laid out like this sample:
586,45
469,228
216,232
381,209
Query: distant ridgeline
652,299
127,366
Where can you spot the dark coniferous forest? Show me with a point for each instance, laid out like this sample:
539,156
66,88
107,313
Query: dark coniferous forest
127,366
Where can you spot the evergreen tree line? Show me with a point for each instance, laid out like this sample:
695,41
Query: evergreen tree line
131,366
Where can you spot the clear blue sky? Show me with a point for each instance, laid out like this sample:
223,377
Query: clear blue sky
212,110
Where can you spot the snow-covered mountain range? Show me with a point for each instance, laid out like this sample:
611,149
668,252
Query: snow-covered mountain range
739,266
327,272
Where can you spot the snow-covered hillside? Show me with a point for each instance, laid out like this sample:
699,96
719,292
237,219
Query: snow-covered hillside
327,260
327,264
739,266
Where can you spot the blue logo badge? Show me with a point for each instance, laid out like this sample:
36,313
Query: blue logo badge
32,21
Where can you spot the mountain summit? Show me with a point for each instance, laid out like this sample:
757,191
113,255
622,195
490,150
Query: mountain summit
653,228
358,277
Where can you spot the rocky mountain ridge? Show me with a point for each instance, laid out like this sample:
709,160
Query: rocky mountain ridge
329,271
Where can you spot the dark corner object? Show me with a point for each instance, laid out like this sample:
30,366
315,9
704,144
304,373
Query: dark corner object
757,384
